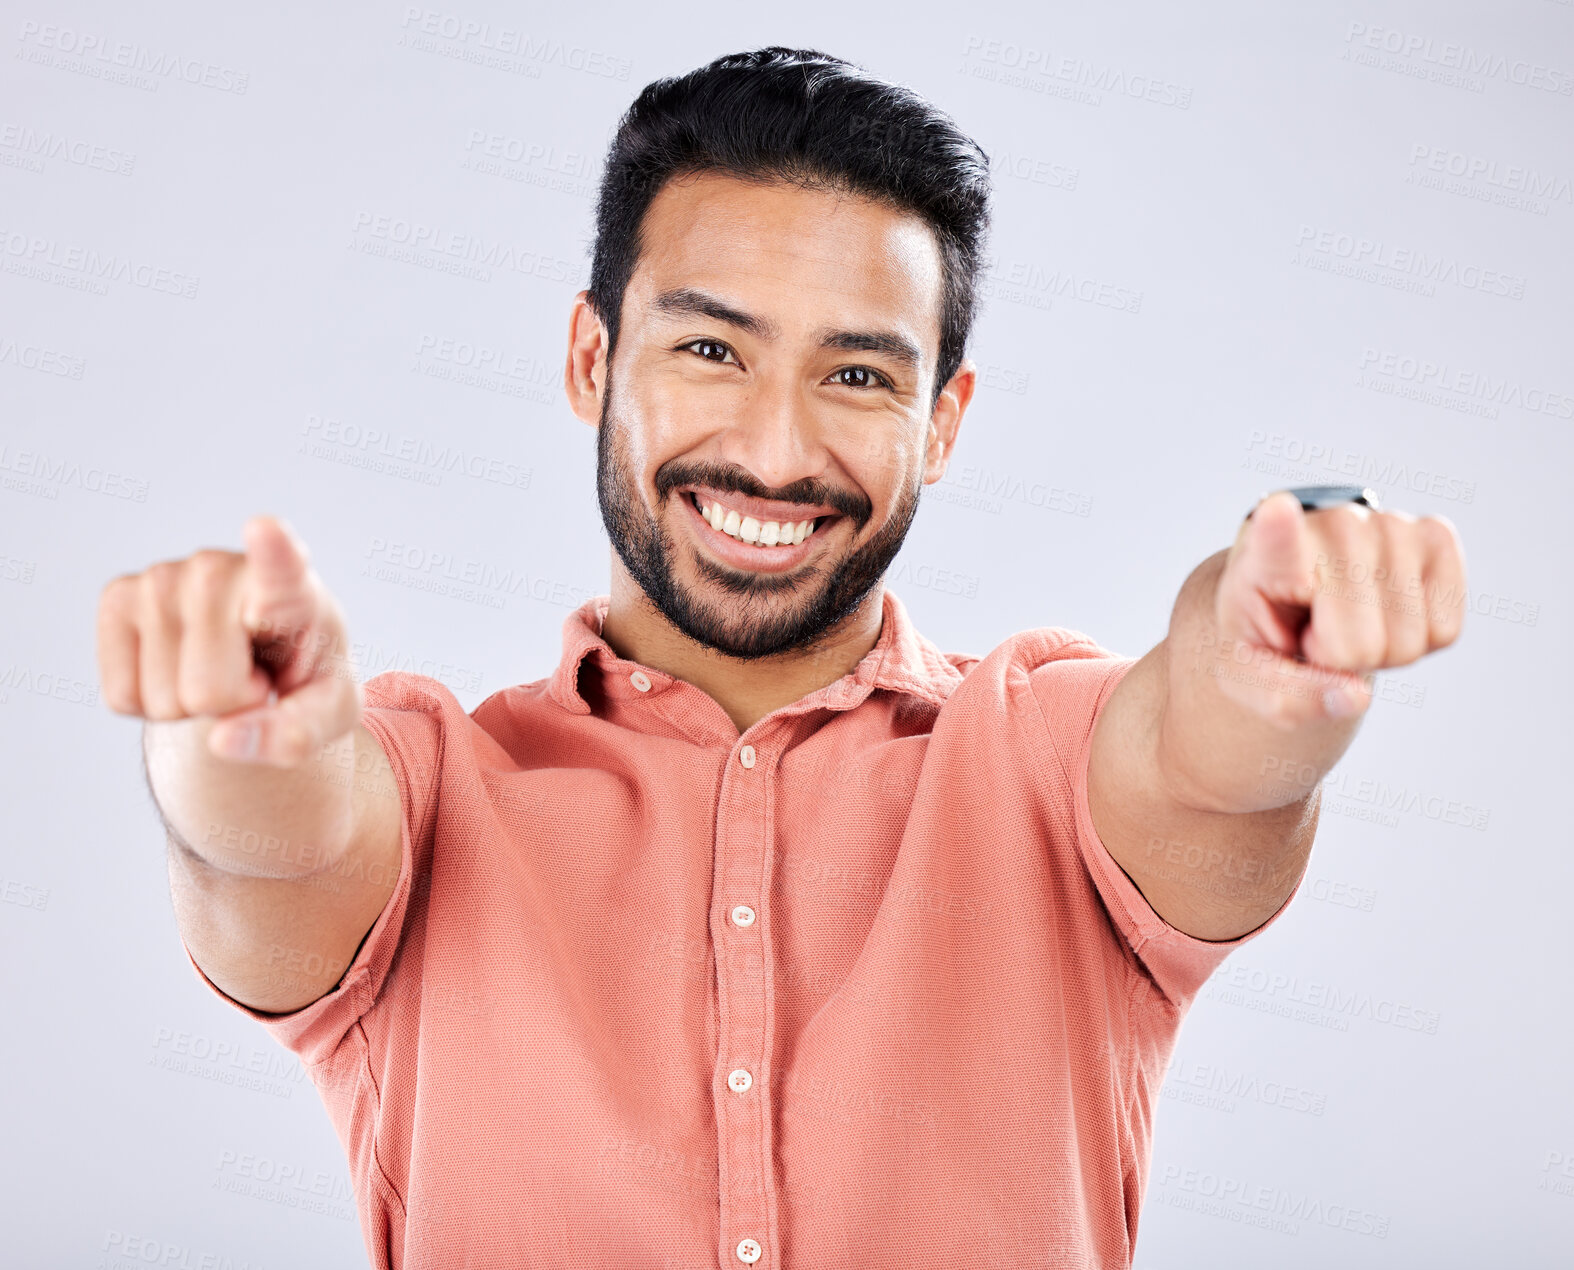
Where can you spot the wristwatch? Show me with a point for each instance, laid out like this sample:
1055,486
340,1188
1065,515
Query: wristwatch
1315,496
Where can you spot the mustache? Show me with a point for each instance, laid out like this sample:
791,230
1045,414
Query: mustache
807,492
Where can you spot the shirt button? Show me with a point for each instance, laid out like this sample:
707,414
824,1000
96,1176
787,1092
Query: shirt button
748,1251
640,680
746,756
739,1081
743,915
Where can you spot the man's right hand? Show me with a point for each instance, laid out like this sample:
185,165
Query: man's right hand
251,639
287,859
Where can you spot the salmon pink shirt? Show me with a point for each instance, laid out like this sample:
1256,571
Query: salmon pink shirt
857,988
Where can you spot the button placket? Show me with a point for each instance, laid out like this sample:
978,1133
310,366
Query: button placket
743,836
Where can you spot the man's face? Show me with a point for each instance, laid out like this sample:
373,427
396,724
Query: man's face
776,357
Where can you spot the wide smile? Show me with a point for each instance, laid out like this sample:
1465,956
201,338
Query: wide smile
743,555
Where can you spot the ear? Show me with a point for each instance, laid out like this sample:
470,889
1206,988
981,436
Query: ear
946,419
585,371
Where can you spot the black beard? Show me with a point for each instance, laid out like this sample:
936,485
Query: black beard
732,625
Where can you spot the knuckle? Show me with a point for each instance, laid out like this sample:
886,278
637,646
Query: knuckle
1438,533
1346,517
160,699
1340,539
210,567
1358,644
117,695
202,692
1407,644
161,582
1368,647
117,595
1447,626
162,708
1446,610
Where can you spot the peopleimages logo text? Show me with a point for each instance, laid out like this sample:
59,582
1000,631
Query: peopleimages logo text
1374,253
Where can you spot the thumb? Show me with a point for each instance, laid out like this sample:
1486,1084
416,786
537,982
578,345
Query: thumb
293,729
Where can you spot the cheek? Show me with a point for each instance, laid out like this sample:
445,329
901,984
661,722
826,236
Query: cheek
886,467
668,421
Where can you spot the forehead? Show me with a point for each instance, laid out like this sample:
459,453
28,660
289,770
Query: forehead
785,250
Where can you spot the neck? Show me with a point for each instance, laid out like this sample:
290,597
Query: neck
638,631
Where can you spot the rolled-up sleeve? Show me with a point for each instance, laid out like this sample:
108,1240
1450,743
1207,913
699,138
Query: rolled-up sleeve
1071,689
405,713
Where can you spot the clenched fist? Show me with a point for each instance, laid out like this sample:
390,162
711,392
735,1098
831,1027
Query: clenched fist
1309,603
251,639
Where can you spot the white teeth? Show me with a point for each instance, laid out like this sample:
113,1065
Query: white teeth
770,533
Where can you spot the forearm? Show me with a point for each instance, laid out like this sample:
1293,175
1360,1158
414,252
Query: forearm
251,818
1213,752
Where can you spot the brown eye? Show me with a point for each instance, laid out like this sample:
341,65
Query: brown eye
870,377
697,345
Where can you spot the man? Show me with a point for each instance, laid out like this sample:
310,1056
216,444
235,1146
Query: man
760,932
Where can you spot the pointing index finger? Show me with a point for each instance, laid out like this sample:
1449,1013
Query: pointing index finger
276,570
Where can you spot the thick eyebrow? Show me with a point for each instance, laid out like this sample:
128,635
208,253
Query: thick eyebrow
683,300
897,347
688,300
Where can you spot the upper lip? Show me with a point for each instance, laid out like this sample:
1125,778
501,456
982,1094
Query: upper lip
761,509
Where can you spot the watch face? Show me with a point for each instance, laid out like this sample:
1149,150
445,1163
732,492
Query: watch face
1315,496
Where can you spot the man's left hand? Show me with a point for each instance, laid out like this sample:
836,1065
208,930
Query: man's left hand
1309,602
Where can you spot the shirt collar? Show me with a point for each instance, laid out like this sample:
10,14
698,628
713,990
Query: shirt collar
902,660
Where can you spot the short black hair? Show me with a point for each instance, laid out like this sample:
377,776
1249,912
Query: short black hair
812,119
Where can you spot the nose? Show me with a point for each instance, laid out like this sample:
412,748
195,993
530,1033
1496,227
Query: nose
775,435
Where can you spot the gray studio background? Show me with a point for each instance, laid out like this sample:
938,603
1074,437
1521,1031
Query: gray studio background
1234,250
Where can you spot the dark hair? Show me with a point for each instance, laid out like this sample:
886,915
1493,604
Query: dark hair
812,119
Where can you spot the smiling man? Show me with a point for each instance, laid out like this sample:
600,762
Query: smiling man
755,481
760,931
